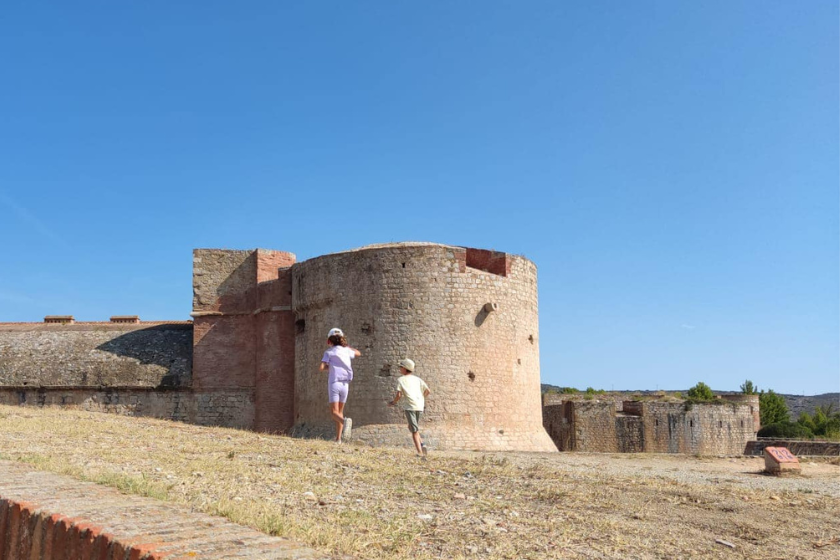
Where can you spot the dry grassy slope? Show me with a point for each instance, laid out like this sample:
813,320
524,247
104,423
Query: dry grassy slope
384,503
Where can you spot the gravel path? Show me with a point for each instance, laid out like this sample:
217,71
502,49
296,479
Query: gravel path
819,477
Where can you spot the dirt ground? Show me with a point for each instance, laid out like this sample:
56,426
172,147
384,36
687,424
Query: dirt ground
361,502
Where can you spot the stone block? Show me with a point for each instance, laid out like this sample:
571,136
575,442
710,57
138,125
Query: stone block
778,460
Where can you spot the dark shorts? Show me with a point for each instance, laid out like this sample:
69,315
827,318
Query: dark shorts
413,417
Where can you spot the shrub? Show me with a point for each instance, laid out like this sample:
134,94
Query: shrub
773,409
786,430
825,422
701,393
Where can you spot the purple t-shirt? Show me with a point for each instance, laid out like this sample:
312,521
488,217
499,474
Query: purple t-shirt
339,358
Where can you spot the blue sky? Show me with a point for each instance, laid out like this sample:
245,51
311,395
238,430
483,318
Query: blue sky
672,169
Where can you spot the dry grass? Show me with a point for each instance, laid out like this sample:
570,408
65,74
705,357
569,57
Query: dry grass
384,503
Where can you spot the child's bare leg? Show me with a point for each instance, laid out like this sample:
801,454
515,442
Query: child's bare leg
418,443
336,409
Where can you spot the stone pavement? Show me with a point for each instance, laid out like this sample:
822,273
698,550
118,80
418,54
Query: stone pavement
45,516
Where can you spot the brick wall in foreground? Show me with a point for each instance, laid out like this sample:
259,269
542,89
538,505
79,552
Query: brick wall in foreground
44,516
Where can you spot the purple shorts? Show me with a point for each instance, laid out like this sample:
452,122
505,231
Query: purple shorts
338,391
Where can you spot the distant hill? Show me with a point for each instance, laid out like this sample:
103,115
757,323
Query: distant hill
797,404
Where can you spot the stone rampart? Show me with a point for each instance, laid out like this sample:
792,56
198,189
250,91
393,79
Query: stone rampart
96,354
719,428
232,408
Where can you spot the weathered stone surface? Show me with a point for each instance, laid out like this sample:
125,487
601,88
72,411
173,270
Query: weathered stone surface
778,460
96,354
425,302
722,428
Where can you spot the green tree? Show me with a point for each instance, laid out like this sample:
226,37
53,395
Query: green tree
825,422
773,408
701,393
748,388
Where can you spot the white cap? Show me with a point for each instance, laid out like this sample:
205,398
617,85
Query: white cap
407,364
335,331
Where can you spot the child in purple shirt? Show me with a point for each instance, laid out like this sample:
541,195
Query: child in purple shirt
337,359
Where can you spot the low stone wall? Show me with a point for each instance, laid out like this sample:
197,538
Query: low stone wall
800,448
558,422
721,428
231,408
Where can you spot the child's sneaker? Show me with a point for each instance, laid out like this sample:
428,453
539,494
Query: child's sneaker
347,433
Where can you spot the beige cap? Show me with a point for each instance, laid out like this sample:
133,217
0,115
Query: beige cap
407,364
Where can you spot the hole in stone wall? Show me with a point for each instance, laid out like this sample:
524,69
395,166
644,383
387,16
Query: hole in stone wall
720,423
531,338
403,265
385,371
742,423
300,326
656,421
691,423
367,328
519,361
471,375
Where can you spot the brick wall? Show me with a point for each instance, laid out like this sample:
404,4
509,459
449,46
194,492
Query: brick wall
244,330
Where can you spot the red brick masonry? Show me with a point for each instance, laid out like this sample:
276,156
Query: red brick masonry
50,517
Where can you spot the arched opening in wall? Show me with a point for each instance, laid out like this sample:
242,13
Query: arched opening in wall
742,423
300,326
471,375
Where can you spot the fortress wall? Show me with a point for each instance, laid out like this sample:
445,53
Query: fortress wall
558,422
96,354
244,326
704,429
424,302
653,427
749,400
233,409
594,424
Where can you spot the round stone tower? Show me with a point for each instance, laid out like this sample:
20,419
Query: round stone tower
467,317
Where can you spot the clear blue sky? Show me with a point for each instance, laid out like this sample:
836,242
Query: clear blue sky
672,168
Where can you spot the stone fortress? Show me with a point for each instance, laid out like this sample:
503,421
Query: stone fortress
611,424
249,358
